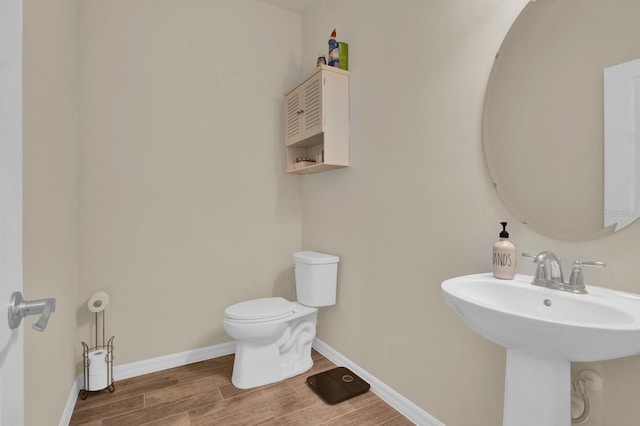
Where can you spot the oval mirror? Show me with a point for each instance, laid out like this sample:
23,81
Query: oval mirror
543,119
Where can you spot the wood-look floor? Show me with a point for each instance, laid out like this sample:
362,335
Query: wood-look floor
202,394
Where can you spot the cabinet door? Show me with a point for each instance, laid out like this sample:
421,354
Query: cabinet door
293,117
312,106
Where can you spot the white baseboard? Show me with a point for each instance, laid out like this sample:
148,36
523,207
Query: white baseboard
139,368
71,402
134,369
388,395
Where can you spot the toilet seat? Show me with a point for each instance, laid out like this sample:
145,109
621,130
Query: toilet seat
260,310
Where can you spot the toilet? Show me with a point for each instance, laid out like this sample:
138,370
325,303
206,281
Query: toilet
273,335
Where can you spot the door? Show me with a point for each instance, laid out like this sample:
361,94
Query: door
11,341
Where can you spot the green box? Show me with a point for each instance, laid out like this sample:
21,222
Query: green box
343,49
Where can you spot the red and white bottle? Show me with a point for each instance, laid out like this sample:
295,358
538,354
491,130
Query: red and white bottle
333,59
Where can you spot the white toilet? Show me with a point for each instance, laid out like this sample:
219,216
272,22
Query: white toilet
273,335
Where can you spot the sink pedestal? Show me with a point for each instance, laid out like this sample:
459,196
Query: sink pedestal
537,390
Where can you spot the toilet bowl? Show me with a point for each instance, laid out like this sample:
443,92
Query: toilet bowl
270,348
274,335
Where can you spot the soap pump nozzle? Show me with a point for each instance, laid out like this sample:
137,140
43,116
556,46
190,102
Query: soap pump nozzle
504,233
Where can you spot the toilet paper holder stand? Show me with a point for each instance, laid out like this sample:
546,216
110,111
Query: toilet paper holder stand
86,350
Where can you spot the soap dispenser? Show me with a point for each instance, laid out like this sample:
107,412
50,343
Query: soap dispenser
504,256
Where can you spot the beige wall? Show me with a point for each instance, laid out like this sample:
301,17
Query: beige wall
417,207
165,189
168,189
184,206
50,234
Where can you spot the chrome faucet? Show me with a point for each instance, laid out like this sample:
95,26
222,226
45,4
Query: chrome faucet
549,272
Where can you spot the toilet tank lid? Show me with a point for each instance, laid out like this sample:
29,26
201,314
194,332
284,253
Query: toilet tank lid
314,258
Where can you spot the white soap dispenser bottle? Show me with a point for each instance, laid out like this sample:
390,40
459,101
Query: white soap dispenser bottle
504,256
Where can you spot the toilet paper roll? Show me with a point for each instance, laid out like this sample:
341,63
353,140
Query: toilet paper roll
98,302
98,366
97,383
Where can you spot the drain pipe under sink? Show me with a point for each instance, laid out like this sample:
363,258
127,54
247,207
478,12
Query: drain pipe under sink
588,379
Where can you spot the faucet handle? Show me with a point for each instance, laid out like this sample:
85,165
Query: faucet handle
577,278
591,263
541,270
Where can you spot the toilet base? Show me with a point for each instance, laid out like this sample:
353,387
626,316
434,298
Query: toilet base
258,364
247,377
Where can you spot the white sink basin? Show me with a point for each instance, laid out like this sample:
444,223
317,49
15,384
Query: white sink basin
603,324
543,330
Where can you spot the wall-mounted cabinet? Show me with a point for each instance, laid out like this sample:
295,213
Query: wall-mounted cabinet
316,121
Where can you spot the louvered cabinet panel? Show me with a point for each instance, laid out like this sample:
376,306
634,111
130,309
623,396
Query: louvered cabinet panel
317,121
293,117
312,106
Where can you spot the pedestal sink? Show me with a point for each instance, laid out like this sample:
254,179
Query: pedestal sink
543,331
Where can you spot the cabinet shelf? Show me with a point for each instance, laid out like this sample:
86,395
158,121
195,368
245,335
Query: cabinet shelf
307,142
317,120
316,168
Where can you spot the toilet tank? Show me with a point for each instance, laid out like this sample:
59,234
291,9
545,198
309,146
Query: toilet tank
316,278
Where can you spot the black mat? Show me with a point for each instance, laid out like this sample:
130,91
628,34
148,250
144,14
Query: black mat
337,385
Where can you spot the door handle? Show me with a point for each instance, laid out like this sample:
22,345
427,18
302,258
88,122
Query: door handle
20,308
